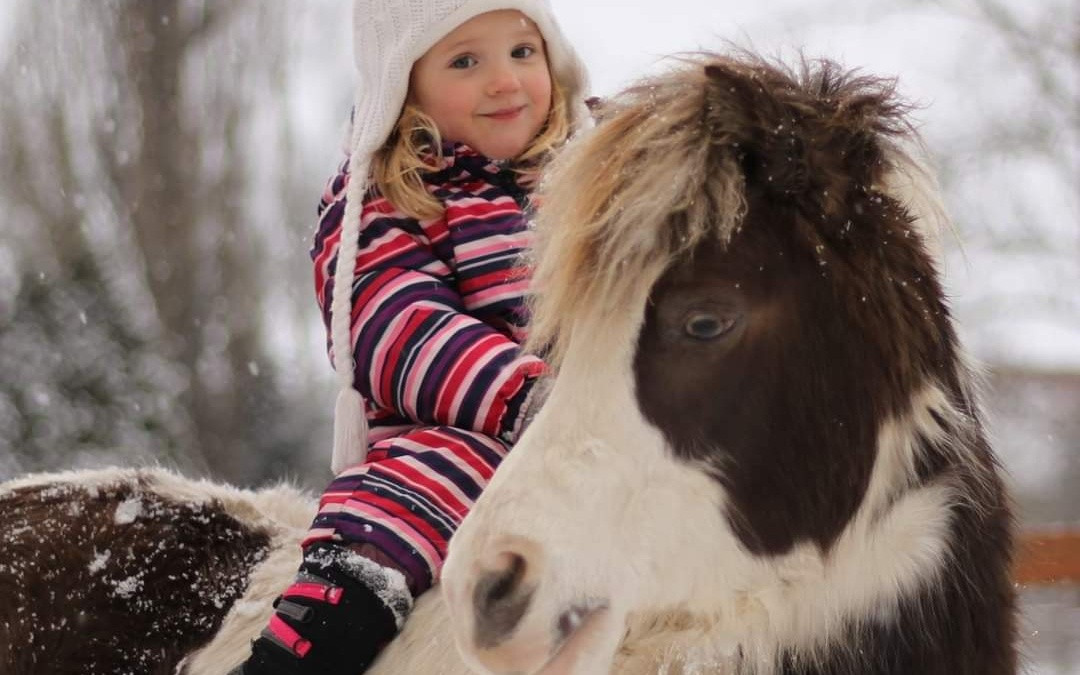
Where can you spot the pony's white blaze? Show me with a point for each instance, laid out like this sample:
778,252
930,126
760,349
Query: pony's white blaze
592,480
589,475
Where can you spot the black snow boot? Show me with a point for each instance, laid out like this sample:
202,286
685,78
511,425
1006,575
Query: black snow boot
341,610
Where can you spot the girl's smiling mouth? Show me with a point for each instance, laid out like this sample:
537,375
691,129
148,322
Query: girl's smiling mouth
505,113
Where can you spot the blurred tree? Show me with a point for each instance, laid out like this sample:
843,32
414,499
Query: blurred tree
131,321
1044,47
1011,169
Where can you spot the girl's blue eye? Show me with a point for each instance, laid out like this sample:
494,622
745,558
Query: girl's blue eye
523,52
463,62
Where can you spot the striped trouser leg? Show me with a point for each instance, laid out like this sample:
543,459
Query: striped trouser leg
409,497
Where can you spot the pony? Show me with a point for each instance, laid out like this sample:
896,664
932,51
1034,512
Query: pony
762,450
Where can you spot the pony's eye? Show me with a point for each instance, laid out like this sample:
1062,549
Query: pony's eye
706,326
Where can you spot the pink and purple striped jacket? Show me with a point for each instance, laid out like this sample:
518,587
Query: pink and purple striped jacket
437,318
438,305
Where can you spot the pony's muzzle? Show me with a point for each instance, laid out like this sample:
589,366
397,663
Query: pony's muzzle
505,583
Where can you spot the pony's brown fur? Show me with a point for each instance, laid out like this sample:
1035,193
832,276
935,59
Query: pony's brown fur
638,215
130,570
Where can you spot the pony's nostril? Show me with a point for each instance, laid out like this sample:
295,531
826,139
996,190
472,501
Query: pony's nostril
500,600
496,587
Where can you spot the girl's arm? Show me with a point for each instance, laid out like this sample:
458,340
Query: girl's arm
416,350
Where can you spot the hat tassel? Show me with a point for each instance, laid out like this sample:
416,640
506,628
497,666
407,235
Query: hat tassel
350,430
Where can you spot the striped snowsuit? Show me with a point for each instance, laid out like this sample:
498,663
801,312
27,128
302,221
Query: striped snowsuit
436,322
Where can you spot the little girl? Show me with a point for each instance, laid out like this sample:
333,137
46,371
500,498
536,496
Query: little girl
458,104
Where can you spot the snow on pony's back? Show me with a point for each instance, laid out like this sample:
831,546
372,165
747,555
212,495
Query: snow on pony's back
144,570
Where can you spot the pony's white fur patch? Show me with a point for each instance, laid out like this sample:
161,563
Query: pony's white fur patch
912,183
425,646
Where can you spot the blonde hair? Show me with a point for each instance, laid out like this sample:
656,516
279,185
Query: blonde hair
414,148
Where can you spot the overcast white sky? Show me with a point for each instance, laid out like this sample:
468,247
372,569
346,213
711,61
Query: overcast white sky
620,40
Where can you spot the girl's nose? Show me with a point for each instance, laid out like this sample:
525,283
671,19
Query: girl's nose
504,80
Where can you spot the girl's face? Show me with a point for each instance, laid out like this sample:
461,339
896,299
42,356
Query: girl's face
486,84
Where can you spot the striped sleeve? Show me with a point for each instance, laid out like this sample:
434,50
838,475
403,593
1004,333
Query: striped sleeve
416,349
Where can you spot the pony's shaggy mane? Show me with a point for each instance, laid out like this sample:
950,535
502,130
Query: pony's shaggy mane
642,164
656,189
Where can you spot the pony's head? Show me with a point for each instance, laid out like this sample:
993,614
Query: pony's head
756,389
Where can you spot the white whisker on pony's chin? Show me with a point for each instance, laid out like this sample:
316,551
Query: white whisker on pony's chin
591,647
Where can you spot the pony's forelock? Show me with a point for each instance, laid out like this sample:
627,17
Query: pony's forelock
655,191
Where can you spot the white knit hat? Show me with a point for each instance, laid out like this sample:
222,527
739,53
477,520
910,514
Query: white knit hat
388,37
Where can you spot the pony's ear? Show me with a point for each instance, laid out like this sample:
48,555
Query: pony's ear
788,142
733,103
733,108
745,109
